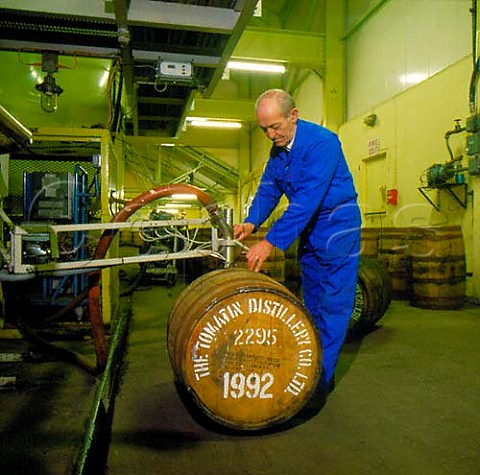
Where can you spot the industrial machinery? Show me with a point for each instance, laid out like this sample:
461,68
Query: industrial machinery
448,176
35,252
56,198
35,248
439,173
162,240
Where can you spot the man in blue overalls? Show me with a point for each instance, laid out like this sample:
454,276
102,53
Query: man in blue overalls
307,165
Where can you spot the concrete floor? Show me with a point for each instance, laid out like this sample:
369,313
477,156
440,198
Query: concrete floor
43,412
407,401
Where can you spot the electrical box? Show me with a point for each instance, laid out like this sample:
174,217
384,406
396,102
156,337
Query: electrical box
473,123
172,70
473,144
473,165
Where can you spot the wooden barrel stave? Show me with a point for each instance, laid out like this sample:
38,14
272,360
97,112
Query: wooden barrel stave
369,242
393,244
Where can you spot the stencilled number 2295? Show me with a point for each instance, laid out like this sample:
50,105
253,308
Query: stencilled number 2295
255,336
252,386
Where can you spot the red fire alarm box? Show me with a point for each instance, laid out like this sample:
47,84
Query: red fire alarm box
392,196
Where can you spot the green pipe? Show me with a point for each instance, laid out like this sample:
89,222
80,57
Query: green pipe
370,12
102,392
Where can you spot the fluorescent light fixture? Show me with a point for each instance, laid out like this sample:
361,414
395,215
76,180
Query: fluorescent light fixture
261,67
184,196
213,123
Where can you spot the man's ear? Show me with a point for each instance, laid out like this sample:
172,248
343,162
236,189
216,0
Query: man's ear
294,115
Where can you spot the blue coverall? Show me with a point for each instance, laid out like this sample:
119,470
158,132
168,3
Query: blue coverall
323,212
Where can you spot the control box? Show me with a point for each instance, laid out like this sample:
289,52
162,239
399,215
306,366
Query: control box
174,71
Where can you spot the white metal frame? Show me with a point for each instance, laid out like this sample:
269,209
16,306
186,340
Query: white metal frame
16,266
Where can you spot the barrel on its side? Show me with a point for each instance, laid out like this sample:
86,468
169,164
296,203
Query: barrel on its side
437,268
244,349
373,293
372,298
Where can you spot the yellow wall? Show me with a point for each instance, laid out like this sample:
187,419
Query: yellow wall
410,130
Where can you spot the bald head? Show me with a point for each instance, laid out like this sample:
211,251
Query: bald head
277,97
277,116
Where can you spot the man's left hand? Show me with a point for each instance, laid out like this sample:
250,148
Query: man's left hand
257,254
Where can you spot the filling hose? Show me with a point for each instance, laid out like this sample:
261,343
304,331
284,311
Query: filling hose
94,296
94,277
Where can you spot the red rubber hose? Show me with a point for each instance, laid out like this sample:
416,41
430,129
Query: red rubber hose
94,294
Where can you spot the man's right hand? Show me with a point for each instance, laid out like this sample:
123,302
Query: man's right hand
242,231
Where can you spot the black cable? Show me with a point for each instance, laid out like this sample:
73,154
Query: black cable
473,11
117,106
476,61
473,87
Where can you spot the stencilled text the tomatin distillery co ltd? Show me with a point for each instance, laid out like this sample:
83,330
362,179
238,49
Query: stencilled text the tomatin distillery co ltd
251,371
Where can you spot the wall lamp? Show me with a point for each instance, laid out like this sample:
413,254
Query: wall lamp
49,89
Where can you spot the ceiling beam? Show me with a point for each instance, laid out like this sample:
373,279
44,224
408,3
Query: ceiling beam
195,59
156,14
161,100
185,113
66,50
226,109
78,8
179,16
157,118
245,16
298,49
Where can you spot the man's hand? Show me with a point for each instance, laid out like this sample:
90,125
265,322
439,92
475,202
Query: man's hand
257,255
242,231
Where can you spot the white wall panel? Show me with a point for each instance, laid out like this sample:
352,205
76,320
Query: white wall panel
403,43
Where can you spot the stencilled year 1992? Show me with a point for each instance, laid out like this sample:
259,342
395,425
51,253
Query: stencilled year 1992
252,386
255,336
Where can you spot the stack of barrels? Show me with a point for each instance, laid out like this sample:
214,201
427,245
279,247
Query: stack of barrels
427,265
